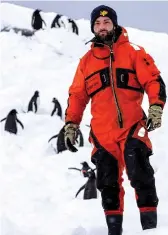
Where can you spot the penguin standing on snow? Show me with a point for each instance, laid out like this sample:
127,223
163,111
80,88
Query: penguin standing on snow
74,26
89,188
33,103
60,140
11,122
57,22
37,21
57,107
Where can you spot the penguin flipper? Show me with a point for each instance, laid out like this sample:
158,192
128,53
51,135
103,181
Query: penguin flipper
80,190
20,123
54,136
3,119
74,168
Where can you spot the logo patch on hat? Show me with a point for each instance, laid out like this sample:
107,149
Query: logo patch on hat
103,13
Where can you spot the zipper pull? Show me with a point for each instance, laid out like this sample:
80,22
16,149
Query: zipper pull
112,55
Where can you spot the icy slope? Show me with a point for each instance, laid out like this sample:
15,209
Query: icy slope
37,189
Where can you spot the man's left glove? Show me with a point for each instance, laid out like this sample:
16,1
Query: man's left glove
154,117
70,136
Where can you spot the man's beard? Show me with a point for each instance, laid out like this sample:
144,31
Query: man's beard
107,39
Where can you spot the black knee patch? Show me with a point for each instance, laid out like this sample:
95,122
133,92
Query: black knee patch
147,196
107,179
138,167
107,169
140,172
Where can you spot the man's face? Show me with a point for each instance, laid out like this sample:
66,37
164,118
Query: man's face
103,26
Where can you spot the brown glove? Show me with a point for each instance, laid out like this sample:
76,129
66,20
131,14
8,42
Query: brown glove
70,136
154,117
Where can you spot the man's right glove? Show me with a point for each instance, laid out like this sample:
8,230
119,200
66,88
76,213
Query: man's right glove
70,136
154,117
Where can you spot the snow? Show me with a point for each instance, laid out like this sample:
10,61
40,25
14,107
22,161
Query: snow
37,189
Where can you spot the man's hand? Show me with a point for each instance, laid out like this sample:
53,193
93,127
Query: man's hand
154,117
70,136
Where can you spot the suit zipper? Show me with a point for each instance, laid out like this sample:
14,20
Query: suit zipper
120,119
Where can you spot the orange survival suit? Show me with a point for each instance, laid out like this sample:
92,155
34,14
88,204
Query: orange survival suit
114,79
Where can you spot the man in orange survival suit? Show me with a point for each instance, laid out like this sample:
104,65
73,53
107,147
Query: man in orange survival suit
114,74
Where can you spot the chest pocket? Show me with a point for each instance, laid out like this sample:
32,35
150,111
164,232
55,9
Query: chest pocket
97,81
126,79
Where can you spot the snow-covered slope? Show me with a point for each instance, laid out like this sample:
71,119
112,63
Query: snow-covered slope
37,189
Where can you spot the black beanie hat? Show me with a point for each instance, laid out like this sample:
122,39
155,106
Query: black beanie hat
103,10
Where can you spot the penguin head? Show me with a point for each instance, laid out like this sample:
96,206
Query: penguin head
85,164
36,93
13,112
37,11
54,100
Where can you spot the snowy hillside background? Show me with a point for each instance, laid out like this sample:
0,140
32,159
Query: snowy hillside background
37,189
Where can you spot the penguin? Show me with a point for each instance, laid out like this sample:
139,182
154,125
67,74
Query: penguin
74,26
60,140
57,107
33,103
90,190
11,122
37,21
57,23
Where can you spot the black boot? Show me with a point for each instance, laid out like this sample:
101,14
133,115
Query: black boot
114,223
148,219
